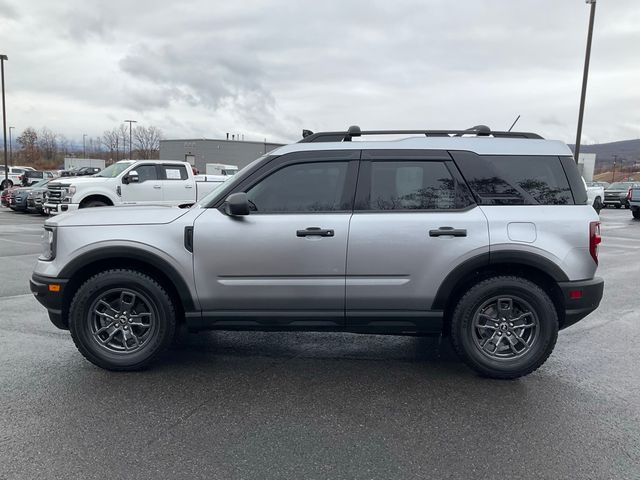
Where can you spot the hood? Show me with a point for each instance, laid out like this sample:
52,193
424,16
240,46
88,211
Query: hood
78,180
124,215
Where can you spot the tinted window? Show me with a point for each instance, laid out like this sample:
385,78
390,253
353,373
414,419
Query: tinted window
174,172
516,180
146,172
411,185
305,187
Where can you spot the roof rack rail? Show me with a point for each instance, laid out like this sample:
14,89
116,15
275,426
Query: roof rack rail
354,131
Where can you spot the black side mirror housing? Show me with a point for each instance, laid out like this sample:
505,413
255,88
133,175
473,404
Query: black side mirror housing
131,177
237,204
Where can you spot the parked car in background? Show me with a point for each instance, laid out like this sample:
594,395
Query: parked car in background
29,177
615,195
633,198
13,176
4,196
595,195
35,197
82,171
129,182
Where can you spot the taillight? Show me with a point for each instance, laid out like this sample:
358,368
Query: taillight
594,239
629,195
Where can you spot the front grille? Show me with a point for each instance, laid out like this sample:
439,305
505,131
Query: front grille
55,195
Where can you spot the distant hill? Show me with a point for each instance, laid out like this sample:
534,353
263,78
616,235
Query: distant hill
628,152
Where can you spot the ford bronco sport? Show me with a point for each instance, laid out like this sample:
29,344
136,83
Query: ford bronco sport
484,236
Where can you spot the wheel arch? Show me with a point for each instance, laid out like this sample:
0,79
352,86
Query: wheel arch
96,196
535,268
107,258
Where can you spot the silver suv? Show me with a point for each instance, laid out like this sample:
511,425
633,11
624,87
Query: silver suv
483,236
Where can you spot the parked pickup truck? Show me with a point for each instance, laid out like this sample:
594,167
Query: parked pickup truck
595,195
634,201
142,182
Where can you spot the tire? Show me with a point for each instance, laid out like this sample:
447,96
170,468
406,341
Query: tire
618,205
636,213
106,339
94,204
507,361
6,184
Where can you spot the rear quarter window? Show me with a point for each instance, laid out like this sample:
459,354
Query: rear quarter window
517,179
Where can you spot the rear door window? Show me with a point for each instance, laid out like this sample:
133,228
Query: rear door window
515,179
174,172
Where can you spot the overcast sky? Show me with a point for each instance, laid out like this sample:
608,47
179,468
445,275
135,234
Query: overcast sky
268,69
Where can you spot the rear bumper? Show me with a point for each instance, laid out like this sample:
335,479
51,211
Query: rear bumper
580,299
51,300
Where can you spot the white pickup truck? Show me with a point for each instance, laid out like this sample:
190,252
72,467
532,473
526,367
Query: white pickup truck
595,195
129,182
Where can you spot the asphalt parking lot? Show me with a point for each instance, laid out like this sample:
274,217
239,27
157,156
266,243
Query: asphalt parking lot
331,406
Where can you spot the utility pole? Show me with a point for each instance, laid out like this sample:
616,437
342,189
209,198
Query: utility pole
130,122
585,76
11,146
4,118
613,174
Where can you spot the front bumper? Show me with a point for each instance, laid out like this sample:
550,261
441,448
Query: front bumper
56,208
41,287
580,299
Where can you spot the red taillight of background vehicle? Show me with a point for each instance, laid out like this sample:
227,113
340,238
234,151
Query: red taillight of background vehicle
594,239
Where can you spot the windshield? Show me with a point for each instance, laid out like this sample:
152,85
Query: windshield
228,185
114,170
619,186
41,183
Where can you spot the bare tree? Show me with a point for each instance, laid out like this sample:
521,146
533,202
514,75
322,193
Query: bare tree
29,149
123,138
146,141
110,141
48,143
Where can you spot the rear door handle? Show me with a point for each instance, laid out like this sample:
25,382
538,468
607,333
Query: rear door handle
315,231
448,231
157,186
188,185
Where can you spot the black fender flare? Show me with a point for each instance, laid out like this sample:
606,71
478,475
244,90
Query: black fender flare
132,253
502,257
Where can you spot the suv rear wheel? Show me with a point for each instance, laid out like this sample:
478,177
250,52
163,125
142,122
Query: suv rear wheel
121,319
504,327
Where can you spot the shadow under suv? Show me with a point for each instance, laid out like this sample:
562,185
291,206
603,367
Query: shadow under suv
483,236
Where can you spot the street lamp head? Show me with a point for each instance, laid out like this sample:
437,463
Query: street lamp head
589,2
3,57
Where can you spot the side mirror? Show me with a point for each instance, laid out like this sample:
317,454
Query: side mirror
131,177
236,204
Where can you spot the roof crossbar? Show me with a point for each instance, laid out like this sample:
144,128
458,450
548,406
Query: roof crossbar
354,131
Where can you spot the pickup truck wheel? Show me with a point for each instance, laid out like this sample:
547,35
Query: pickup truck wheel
6,184
121,319
94,203
636,213
504,327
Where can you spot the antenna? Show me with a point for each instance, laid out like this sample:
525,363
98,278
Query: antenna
514,123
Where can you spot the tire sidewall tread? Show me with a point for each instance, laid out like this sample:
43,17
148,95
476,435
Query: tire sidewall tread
166,319
470,301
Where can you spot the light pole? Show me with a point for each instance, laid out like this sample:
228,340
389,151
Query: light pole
11,146
130,122
84,146
585,75
4,118
613,174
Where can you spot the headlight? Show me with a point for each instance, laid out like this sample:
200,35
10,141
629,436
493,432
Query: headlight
48,244
71,190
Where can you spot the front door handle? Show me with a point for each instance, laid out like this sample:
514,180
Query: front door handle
157,186
448,231
188,185
315,231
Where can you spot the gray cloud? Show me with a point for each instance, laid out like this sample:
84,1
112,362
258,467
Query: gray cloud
268,69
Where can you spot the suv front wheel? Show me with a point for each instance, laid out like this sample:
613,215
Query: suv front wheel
121,319
504,327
